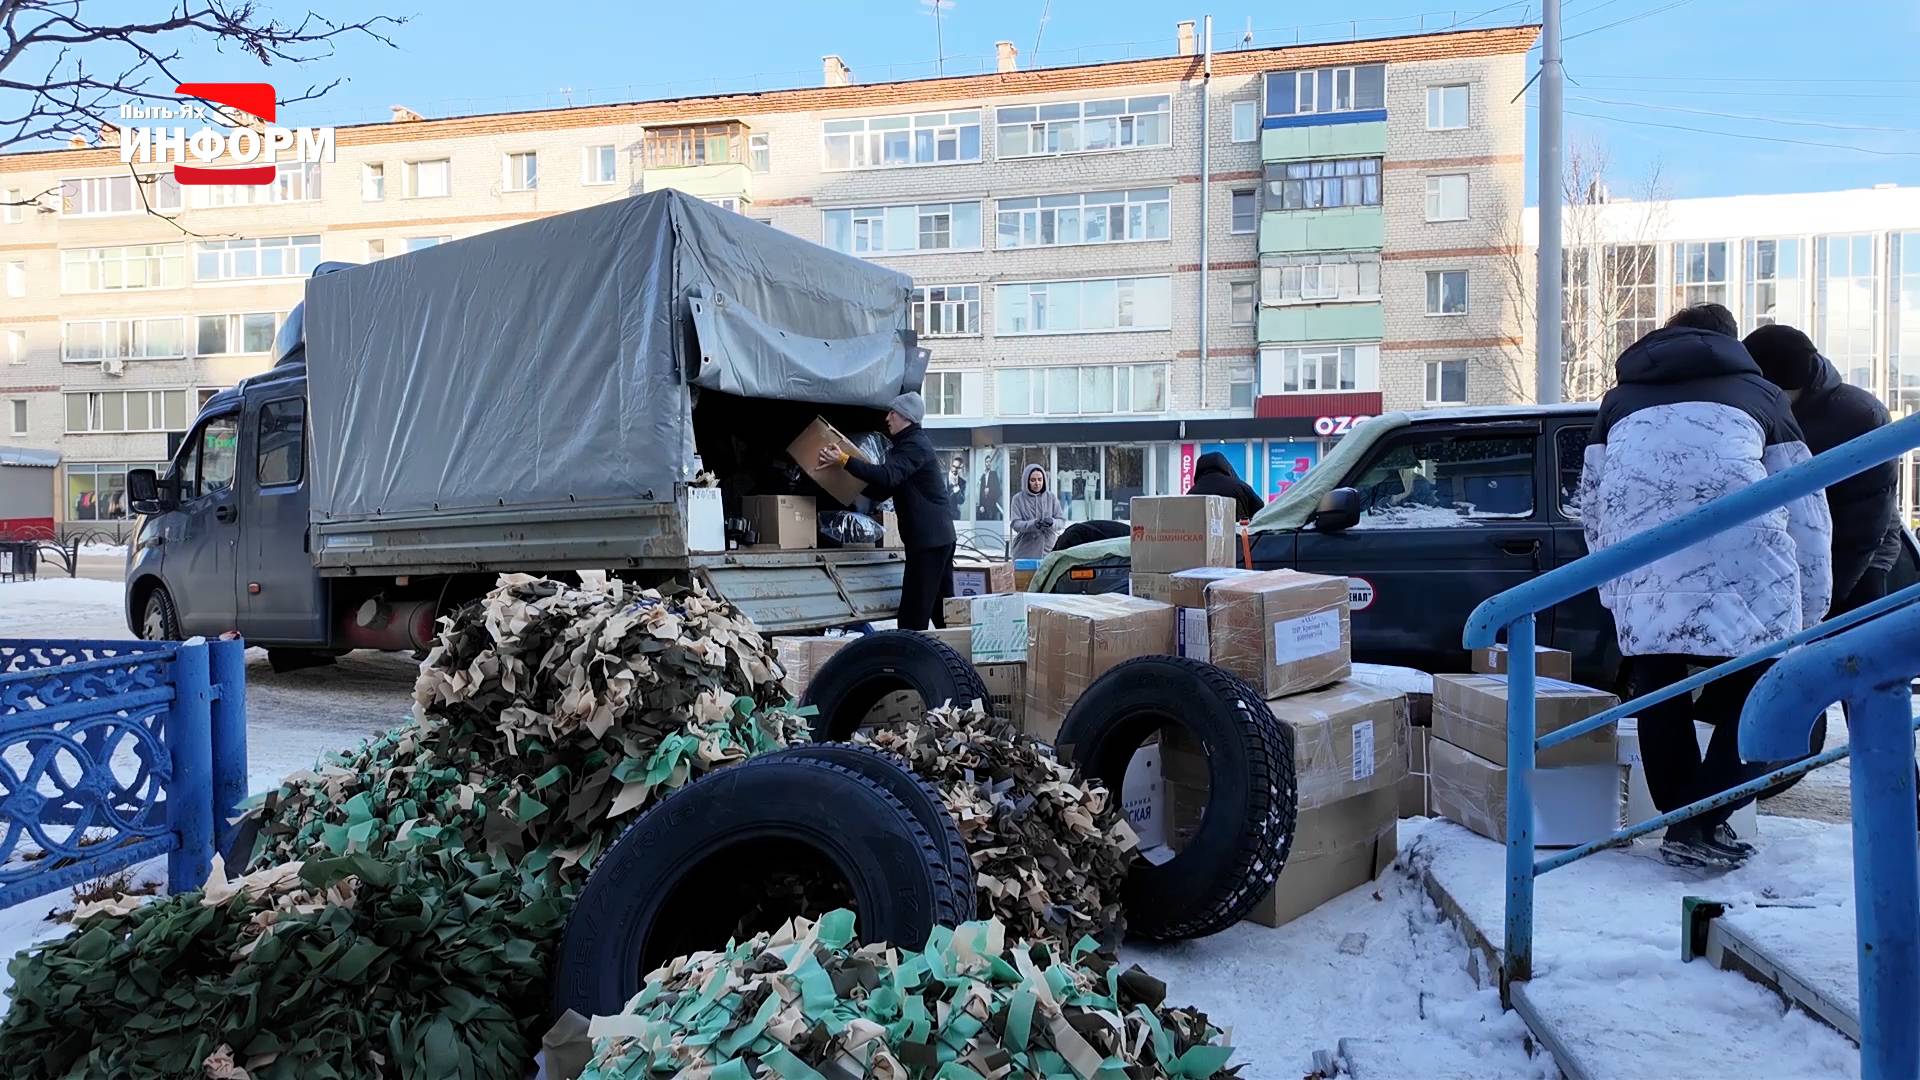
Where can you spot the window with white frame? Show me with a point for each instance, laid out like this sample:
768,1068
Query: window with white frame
111,269
1087,390
430,179
1447,107
16,277
1241,303
101,196
127,410
242,334
1447,197
1699,273
1067,307
1318,91
1319,369
253,258
1446,292
900,230
1315,185
1094,217
1246,210
373,182
1319,279
293,182
1446,382
888,142
1079,127
422,243
12,206
161,338
953,393
1775,287
1246,121
1847,304
17,416
376,250
601,165
1242,387
1631,276
760,152
946,310
521,171
16,342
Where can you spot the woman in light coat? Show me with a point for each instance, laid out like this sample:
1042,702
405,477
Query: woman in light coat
1036,516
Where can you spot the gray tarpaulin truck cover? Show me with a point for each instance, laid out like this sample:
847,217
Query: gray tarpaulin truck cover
541,365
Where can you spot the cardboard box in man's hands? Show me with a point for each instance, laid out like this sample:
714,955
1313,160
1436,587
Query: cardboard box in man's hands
834,480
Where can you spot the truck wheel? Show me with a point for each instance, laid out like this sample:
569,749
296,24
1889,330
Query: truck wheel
742,850
855,679
158,620
1242,841
920,798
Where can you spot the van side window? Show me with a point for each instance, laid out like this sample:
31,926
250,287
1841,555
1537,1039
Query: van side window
1570,457
282,431
1428,481
219,453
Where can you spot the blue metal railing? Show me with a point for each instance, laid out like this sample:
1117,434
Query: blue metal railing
116,752
1515,609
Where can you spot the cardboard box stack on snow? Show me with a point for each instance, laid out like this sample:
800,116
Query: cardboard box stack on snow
1418,688
1577,788
1280,630
1073,640
1547,663
788,522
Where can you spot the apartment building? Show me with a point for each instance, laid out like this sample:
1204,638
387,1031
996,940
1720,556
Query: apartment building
1118,266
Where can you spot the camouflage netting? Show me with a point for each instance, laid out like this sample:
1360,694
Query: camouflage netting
1051,850
439,860
806,1003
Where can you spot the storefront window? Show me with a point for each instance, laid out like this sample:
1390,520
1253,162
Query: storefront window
99,492
1076,479
1126,478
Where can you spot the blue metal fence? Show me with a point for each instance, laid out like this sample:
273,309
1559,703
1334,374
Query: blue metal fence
115,752
1895,897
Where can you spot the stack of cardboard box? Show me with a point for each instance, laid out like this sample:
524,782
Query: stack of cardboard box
1417,687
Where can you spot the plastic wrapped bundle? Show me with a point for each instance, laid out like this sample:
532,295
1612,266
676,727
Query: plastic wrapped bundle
844,528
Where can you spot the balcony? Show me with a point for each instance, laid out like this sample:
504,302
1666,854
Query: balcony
1321,322
708,161
1353,134
1345,228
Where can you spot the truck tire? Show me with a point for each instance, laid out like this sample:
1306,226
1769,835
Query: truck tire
159,619
1242,842
855,679
920,798
702,863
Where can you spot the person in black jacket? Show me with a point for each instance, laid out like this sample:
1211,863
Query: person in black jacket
911,476
1214,475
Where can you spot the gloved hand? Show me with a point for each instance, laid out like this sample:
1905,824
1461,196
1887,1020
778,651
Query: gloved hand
831,456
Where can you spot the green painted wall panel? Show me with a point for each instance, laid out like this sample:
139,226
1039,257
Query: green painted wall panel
1343,229
1327,322
1323,140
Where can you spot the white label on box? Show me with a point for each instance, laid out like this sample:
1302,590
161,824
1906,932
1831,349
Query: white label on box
1363,750
1309,635
969,582
1000,628
1194,644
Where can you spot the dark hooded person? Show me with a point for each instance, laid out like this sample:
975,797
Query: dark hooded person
911,476
1036,516
1214,475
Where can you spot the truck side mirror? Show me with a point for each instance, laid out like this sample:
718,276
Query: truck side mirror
143,492
1339,510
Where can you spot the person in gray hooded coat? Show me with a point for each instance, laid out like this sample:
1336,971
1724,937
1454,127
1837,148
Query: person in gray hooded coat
1036,516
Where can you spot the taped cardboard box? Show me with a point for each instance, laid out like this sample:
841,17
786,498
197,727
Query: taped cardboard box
1188,588
1281,630
834,480
1416,685
972,577
1470,711
1006,691
1348,739
1547,663
800,657
1572,804
788,522
1073,640
1180,532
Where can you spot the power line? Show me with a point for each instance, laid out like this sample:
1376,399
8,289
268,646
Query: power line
1808,94
1743,79
1629,19
1793,121
1739,135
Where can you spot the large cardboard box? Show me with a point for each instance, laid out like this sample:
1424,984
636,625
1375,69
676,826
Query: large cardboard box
972,577
1348,739
1548,663
1470,711
1572,804
784,521
999,624
1188,588
957,610
1417,685
1152,587
800,657
1180,532
1073,640
1006,691
833,479
1282,631
957,638
1746,820
1337,847
706,520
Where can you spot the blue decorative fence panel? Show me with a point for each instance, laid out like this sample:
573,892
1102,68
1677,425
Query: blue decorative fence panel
113,753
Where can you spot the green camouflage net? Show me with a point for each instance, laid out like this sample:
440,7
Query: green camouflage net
806,1003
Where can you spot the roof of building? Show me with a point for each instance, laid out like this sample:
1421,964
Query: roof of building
37,459
870,96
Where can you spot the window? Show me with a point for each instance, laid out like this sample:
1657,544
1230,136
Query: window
699,144
282,433
1313,185
1319,369
1570,452
1631,276
946,310
1699,273
601,165
1079,127
16,346
373,182
952,393
376,250
1775,290
1447,197
1090,390
99,196
431,179
1064,307
127,410
1447,107
520,172
124,339
1446,292
1446,382
1904,261
422,243
12,210
1097,217
221,335
760,151
261,257
1313,279
1240,384
219,455
1240,302
106,269
99,492
1847,303
16,277
17,416
1434,481
881,230
292,182
1326,90
1246,210
1246,121
888,142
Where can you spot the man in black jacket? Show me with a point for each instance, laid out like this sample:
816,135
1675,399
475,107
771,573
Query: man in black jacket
911,476
1214,475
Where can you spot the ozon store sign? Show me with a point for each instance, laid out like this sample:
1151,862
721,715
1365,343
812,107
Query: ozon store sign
221,137
1337,425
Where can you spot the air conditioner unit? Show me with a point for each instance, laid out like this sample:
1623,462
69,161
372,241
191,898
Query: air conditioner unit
113,366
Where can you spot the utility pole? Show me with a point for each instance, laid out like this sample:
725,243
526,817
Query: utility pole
1547,293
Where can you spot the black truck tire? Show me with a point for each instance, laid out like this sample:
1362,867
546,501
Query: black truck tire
1242,842
855,679
920,798
682,877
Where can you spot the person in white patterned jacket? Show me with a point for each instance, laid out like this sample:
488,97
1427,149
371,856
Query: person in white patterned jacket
1692,419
